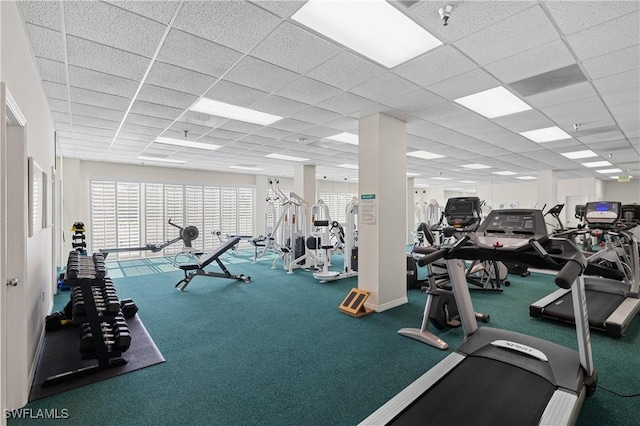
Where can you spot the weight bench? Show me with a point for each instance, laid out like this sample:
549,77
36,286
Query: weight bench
194,269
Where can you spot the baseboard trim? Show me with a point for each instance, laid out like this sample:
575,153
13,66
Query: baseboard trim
389,305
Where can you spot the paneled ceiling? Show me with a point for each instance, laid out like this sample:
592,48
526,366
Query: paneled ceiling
118,74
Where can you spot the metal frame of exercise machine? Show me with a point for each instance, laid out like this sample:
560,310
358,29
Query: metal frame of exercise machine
614,304
546,383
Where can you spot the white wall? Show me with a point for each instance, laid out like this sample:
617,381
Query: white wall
524,194
20,74
625,192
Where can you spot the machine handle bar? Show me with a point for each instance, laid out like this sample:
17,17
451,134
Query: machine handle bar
568,274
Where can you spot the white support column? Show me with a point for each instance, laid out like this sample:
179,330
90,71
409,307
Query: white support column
547,188
304,184
410,210
382,216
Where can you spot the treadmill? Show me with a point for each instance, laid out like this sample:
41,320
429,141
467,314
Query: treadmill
538,382
612,304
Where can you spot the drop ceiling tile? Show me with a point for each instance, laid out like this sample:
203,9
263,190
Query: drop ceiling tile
225,134
112,26
440,64
465,84
90,97
291,125
346,103
294,48
308,91
414,101
271,132
613,63
46,43
483,13
321,131
561,96
240,126
234,94
238,25
95,122
136,137
345,70
439,111
101,82
316,115
572,17
538,60
622,97
201,119
625,110
58,105
195,53
79,131
616,82
524,121
346,124
55,90
98,57
150,132
280,106
96,112
260,75
168,97
259,140
283,9
52,70
60,117
601,137
144,120
614,35
526,30
384,87
161,11
194,131
180,79
42,13
155,110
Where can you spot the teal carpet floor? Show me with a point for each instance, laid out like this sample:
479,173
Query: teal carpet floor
276,351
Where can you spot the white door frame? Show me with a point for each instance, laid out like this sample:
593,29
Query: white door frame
13,216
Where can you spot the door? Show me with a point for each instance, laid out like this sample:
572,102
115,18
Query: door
13,258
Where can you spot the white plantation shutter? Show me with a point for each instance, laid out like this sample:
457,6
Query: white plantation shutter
120,211
103,215
211,210
128,217
337,203
174,210
194,212
154,215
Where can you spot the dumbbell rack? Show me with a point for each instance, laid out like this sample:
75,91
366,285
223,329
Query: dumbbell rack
104,333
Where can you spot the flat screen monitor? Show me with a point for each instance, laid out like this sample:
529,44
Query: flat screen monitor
603,212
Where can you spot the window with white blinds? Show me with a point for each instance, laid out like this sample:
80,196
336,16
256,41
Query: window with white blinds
125,214
337,203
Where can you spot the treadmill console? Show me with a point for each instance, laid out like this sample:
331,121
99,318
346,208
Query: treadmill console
512,228
603,213
463,212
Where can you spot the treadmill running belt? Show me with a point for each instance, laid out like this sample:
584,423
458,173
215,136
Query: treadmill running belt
599,305
481,391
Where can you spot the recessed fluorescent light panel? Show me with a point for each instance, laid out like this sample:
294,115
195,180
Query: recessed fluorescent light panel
547,134
441,178
580,154
494,102
505,173
247,168
373,28
425,155
348,166
285,157
475,166
412,174
349,138
160,159
597,164
526,177
186,143
605,171
467,181
220,109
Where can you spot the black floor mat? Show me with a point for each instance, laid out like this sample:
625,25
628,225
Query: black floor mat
60,354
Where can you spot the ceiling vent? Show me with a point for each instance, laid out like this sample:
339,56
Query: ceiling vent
551,80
